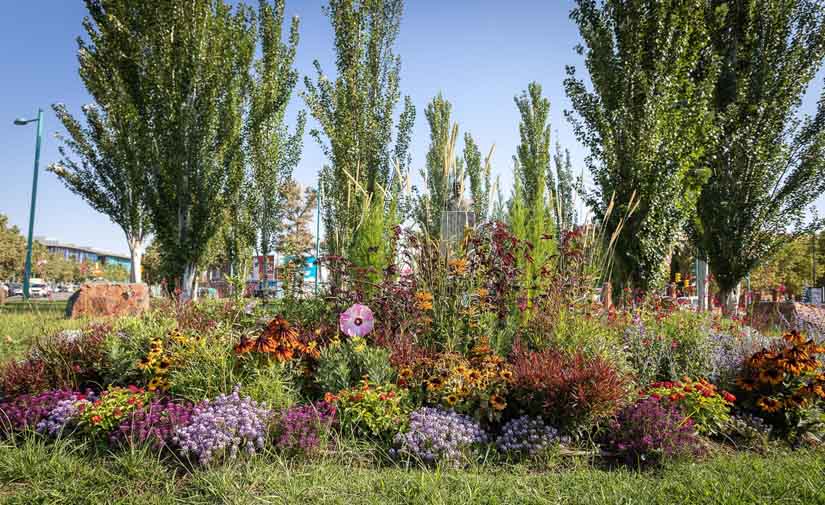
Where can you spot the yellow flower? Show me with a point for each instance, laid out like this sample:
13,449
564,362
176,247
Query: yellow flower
482,292
451,400
144,363
506,375
771,375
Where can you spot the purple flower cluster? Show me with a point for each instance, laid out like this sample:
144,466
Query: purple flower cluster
223,427
526,435
301,427
438,436
155,424
730,352
648,431
63,414
26,411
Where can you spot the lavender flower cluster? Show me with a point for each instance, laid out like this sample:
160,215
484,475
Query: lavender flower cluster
648,431
63,414
155,424
301,428
26,411
730,352
526,435
437,436
223,427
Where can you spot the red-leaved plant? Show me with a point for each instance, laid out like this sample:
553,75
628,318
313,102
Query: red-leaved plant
571,391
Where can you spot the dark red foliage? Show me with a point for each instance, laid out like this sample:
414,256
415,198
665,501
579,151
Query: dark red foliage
23,377
573,392
75,360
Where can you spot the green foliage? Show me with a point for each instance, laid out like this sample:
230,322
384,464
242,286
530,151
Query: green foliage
356,112
669,346
205,370
699,401
271,385
377,410
101,417
644,122
12,250
480,189
560,189
766,164
436,173
344,364
273,151
370,249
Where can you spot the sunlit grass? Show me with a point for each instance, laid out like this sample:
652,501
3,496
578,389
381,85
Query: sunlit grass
19,329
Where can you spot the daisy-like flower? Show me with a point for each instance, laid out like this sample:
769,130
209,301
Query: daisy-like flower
771,375
458,266
497,402
145,363
769,404
746,383
244,346
405,373
451,399
356,321
506,375
163,366
793,337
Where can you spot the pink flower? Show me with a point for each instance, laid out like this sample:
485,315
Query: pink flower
357,320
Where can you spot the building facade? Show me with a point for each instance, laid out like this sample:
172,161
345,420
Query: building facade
82,254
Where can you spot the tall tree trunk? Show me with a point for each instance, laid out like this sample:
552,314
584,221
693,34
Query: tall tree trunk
188,282
136,253
730,300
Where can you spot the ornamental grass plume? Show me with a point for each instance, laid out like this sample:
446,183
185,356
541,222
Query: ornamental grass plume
438,436
223,427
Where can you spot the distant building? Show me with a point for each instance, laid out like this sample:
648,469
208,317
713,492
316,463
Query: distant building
82,254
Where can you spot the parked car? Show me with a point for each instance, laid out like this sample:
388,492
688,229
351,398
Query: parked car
38,288
15,289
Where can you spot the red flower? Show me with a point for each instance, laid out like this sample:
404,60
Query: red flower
707,393
96,419
118,412
728,397
688,389
133,389
656,397
97,402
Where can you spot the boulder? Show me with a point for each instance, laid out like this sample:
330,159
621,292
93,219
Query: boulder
2,295
108,299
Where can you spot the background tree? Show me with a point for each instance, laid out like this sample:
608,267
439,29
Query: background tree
560,188
273,152
356,115
642,122
296,240
181,71
766,165
109,172
12,250
479,176
436,168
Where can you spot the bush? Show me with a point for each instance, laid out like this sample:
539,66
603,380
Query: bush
786,386
343,364
476,386
205,369
749,432
376,411
101,416
665,347
23,377
75,359
699,400
526,436
223,427
302,428
731,349
63,415
271,385
573,392
437,437
648,432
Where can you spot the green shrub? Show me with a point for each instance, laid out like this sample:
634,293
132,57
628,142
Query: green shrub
669,346
376,411
344,364
205,370
271,385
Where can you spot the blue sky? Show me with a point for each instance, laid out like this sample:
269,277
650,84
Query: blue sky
479,53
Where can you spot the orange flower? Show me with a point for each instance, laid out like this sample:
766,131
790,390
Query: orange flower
458,266
769,404
794,337
506,375
497,402
424,300
798,399
329,397
746,383
728,397
96,419
405,373
244,346
771,375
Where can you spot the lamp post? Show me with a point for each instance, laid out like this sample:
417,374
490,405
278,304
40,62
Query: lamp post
317,234
23,122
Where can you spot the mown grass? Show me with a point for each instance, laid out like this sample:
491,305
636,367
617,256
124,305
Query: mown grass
19,329
65,472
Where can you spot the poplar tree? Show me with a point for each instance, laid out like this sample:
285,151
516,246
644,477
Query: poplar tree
643,121
767,164
435,172
479,176
356,112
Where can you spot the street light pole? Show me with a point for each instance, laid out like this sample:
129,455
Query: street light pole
317,234
28,272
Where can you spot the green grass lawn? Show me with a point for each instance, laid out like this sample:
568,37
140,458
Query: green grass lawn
18,329
65,473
